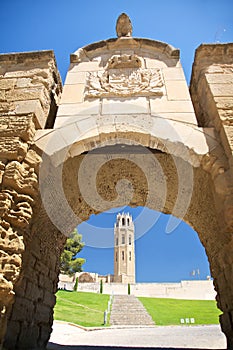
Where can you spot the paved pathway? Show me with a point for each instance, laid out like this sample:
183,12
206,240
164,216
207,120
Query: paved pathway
128,310
70,337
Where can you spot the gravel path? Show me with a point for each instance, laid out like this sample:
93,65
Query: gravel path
192,337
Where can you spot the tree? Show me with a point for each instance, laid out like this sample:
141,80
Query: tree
101,286
69,263
129,288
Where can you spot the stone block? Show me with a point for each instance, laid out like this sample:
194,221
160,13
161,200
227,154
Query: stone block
125,106
33,160
23,310
173,73
11,243
21,126
75,78
45,332
6,107
40,266
163,105
26,94
225,103
20,179
189,118
13,331
34,292
77,149
153,63
12,148
221,90
70,133
106,123
84,67
29,336
219,78
177,90
87,107
32,106
7,84
49,298
51,142
226,139
43,313
29,70
73,93
23,82
2,95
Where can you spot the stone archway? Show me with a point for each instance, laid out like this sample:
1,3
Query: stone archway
142,146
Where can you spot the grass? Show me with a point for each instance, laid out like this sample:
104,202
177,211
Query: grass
85,309
170,311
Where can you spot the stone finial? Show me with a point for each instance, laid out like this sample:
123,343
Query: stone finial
124,26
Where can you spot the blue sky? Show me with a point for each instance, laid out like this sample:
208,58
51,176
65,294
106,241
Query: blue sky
64,26
160,256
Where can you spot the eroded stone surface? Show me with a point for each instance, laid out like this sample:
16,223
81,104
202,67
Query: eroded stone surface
212,94
22,85
181,168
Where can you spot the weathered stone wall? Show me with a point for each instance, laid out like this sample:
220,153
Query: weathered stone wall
212,95
29,90
194,161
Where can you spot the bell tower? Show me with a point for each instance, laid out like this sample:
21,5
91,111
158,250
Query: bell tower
124,255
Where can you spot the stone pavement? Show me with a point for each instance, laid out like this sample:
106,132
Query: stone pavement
128,310
66,336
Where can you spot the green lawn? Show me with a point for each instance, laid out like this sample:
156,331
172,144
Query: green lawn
170,311
85,309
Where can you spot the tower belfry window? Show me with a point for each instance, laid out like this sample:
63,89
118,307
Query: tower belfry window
123,239
130,240
123,255
123,221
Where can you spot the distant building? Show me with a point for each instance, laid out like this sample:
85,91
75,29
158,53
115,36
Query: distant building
124,254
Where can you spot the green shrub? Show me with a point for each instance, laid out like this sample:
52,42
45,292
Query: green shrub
101,286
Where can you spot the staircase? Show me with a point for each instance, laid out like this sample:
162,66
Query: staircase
128,310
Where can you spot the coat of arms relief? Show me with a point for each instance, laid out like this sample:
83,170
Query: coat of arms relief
124,77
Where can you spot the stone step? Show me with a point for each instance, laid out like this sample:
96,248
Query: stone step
128,310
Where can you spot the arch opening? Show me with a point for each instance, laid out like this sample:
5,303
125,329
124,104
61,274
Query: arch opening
153,179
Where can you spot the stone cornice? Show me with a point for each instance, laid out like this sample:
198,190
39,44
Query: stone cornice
93,49
20,57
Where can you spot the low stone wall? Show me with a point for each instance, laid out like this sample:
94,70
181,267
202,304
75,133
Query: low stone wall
194,290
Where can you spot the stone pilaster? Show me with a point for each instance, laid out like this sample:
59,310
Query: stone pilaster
212,95
30,87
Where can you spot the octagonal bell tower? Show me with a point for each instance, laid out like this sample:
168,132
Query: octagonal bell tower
124,254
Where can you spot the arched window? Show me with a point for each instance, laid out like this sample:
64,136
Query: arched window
116,256
117,241
123,255
128,221
123,221
123,239
130,240
129,256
